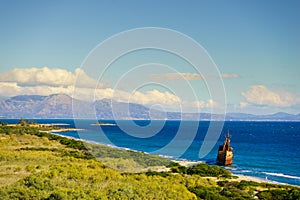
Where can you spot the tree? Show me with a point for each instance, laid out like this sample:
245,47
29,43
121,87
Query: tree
22,122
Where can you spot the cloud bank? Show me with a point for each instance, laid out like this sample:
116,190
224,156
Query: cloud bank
261,95
46,81
46,77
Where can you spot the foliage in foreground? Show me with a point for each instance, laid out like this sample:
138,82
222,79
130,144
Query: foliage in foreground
36,165
91,180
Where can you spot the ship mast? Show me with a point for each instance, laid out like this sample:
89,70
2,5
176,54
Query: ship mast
226,145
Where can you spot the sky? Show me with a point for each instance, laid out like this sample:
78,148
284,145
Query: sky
254,44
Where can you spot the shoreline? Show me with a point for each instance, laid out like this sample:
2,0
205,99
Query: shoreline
254,178
183,162
240,177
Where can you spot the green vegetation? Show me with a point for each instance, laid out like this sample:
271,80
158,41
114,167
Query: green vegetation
39,165
205,170
102,152
201,170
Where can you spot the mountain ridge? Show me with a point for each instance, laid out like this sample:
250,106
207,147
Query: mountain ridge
64,106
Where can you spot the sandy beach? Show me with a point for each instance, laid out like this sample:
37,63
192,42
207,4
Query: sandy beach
187,163
251,178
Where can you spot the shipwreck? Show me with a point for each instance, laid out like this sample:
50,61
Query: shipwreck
225,152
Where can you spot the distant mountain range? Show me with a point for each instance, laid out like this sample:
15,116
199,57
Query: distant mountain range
63,106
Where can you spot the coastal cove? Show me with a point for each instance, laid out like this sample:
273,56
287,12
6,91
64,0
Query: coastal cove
265,150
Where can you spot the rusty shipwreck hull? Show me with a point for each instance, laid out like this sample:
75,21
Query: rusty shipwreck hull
225,152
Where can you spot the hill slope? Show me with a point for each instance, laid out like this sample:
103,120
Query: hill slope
37,165
64,106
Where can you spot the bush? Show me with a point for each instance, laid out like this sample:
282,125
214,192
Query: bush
144,160
280,194
38,183
209,193
56,196
244,184
30,168
206,170
173,164
222,183
162,174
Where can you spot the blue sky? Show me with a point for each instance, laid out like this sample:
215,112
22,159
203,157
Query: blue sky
256,40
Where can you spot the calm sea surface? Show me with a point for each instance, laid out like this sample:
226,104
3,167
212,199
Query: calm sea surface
269,150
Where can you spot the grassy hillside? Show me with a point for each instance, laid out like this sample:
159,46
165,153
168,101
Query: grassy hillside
35,165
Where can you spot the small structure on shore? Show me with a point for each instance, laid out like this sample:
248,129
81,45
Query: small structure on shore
225,154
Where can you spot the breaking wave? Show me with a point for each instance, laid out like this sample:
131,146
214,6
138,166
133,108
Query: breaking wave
282,175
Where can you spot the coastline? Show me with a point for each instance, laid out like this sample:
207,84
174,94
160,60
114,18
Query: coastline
64,162
253,178
240,177
183,162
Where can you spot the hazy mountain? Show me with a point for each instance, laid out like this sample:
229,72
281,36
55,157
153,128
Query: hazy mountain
280,116
63,106
33,106
104,109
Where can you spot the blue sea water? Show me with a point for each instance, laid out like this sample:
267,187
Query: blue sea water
268,150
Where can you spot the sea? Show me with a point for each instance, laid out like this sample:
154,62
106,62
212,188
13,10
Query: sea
266,150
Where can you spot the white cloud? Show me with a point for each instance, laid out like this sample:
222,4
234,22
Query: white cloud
13,89
261,95
149,98
46,76
229,76
45,81
185,76
203,104
155,96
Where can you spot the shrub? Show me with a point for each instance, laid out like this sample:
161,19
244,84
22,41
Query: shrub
280,194
206,170
209,193
30,168
222,183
